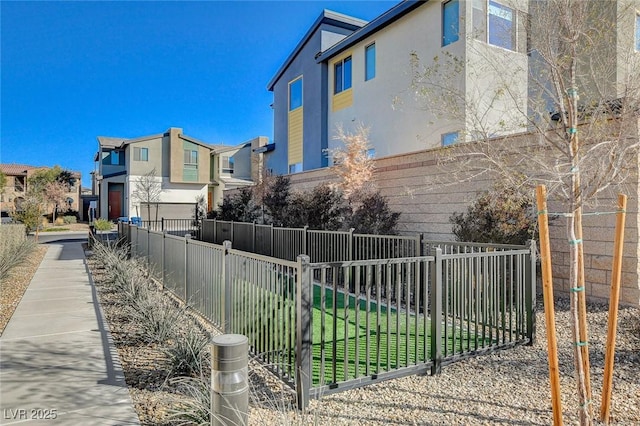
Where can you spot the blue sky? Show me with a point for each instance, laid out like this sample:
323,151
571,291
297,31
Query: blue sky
72,71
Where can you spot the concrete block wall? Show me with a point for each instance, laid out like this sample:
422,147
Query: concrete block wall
426,196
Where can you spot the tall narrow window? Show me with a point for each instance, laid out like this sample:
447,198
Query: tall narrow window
450,22
370,62
295,94
342,75
115,158
227,164
502,29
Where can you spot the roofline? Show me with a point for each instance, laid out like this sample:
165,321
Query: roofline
126,141
327,16
231,148
387,18
196,141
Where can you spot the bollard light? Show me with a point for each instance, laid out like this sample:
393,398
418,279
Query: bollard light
229,380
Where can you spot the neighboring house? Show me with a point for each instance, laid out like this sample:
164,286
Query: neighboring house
17,186
181,164
234,167
185,169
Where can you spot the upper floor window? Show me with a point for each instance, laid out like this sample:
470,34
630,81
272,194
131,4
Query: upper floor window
449,138
140,154
227,164
371,153
638,32
497,25
450,22
295,94
18,182
190,157
370,62
342,75
115,158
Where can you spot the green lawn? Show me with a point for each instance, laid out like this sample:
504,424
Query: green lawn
382,341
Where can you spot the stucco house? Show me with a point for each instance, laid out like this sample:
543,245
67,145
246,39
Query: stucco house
170,169
18,182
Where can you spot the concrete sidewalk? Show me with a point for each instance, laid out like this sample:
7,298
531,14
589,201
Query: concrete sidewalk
58,364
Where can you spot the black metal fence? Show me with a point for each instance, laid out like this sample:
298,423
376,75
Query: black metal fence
331,326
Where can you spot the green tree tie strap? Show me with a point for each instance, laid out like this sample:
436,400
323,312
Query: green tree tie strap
575,242
577,289
579,344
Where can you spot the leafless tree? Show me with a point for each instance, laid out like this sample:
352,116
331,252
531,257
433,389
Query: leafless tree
353,164
147,190
580,107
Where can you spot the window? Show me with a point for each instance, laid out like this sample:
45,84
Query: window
227,164
450,22
295,168
496,24
501,26
140,154
295,94
342,75
449,138
371,153
190,157
370,62
638,32
115,158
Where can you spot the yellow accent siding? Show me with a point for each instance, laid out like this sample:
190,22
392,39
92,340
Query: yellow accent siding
295,136
342,100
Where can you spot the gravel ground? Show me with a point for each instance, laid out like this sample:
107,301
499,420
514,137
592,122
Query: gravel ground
12,289
508,387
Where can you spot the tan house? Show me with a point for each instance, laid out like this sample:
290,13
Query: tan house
170,171
17,186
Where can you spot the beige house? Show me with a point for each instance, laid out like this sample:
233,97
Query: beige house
17,186
163,175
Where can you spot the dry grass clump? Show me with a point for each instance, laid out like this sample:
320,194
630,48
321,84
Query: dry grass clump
14,248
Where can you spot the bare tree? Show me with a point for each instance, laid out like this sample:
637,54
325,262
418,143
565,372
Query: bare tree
353,163
580,106
147,190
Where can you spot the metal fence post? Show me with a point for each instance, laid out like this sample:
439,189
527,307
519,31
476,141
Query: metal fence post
530,292
271,240
226,274
253,237
304,305
305,241
435,293
162,224
187,238
162,255
351,243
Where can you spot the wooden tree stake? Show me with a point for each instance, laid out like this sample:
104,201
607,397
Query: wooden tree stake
549,311
616,273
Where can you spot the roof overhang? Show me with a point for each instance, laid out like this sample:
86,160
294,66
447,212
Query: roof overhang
387,18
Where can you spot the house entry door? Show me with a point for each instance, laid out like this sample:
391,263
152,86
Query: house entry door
115,204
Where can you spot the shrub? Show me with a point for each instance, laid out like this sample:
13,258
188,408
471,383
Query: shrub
156,317
373,216
189,354
14,248
322,208
500,216
239,207
196,409
70,219
59,221
102,225
277,199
